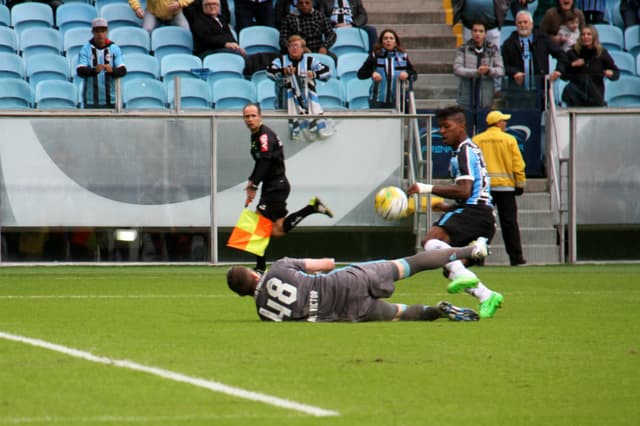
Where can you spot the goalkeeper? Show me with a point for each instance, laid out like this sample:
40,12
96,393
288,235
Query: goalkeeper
313,290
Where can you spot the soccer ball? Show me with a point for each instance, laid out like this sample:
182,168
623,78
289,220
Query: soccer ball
391,203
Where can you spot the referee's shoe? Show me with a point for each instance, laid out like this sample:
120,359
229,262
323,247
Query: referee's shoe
319,207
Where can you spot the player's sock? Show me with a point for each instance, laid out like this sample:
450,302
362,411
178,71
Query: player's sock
295,218
420,313
433,259
480,291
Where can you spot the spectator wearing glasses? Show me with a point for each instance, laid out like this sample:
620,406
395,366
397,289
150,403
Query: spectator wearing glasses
310,24
211,33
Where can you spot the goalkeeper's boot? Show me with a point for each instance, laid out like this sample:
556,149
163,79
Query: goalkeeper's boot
454,313
480,248
319,207
462,283
489,307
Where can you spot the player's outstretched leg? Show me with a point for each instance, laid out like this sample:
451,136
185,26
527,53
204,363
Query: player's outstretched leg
454,313
319,207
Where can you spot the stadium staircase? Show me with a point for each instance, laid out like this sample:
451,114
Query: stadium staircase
424,27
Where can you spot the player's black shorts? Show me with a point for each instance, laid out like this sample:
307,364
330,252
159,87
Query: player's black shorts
273,199
467,223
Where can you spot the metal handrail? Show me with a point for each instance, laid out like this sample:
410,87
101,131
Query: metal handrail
555,162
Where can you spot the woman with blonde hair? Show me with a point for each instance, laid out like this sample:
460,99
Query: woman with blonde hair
589,64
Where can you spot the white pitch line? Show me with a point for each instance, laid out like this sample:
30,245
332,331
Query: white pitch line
166,374
115,296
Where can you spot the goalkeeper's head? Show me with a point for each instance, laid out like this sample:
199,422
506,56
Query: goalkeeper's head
242,280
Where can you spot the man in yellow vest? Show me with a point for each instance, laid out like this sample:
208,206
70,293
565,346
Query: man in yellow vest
506,170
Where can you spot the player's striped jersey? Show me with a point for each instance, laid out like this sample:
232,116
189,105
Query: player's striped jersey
468,163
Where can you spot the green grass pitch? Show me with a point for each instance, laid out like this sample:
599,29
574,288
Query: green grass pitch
564,350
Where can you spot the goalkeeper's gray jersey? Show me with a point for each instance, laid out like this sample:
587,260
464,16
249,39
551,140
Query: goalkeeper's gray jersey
287,293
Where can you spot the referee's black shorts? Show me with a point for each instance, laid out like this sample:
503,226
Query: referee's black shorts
273,199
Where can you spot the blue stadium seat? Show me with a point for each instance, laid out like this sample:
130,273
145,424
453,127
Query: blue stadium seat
357,93
144,93
615,18
194,94
74,15
31,15
99,4
15,94
223,66
171,39
179,64
140,65
131,40
330,94
625,62
55,94
120,15
327,60
5,16
11,66
505,33
47,66
611,36
624,92
8,40
632,40
350,40
258,76
266,94
74,39
259,39
233,94
349,64
558,88
35,41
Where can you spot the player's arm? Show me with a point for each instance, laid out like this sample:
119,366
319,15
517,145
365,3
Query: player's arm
460,190
312,266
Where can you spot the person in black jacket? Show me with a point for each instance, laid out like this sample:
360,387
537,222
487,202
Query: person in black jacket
270,177
211,32
526,63
589,63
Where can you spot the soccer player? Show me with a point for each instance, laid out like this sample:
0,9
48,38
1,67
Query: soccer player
313,290
269,170
471,216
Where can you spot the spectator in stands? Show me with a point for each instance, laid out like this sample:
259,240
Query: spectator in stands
526,62
518,5
506,170
387,63
492,12
595,11
630,12
285,7
477,64
310,24
351,13
558,16
589,63
569,32
100,63
161,12
541,9
211,33
195,8
295,74
254,12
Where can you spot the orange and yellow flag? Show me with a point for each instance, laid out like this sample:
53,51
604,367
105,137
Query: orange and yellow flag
251,233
